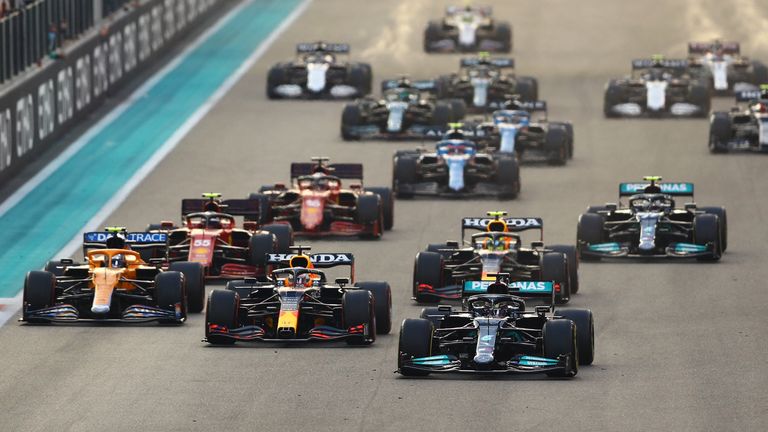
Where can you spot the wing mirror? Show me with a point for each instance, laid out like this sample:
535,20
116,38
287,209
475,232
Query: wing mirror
690,207
611,207
537,245
452,244
342,282
250,225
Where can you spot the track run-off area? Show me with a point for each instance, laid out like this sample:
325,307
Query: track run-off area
680,345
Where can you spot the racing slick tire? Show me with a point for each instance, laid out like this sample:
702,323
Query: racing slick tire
590,230
39,292
556,145
554,267
404,174
275,77
359,77
170,292
284,235
572,256
415,341
568,127
759,73
614,95
508,177
443,86
585,332
264,205
503,33
719,132
194,283
442,114
723,220
434,315
351,117
222,311
387,205
528,88
370,213
706,229
427,270
382,302
358,309
458,109
259,245
433,32
440,249
699,95
560,339
56,267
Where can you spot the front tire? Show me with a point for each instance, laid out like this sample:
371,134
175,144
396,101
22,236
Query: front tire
39,292
415,342
194,283
382,301
170,295
222,311
560,339
358,309
585,333
554,267
428,270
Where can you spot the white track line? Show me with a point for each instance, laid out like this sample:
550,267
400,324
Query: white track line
14,304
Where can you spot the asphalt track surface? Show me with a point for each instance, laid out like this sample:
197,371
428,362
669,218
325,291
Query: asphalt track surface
680,346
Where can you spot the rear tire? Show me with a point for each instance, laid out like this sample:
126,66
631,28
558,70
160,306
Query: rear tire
170,293
351,117
560,339
503,34
39,292
194,283
720,132
387,204
284,235
527,88
442,114
508,177
434,315
585,333
382,301
357,307
706,229
590,230
56,267
259,245
415,342
222,311
432,33
428,270
264,207
759,73
572,256
554,267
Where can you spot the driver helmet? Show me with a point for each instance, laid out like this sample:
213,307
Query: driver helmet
118,261
497,225
214,222
652,189
304,280
496,244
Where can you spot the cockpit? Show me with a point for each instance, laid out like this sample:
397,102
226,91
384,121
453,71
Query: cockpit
651,202
495,306
456,148
209,220
318,182
297,278
495,241
483,71
511,117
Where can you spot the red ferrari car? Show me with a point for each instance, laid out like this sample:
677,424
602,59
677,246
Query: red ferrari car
316,204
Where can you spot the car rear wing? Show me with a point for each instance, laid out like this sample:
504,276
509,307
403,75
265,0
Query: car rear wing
133,240
341,170
521,288
499,62
319,260
669,188
530,106
483,10
249,208
310,47
423,85
514,224
665,63
705,47
747,95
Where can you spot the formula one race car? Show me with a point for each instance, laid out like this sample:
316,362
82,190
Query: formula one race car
723,66
651,225
298,304
743,128
513,131
451,271
495,333
317,205
468,29
658,87
455,169
483,83
210,236
114,284
318,74
407,109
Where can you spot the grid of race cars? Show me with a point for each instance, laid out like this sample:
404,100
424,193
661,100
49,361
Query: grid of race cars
493,297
